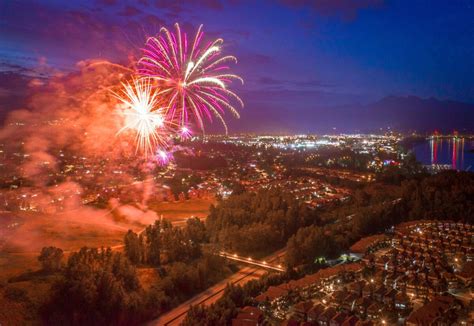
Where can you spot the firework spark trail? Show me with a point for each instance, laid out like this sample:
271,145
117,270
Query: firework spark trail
185,133
144,116
191,78
163,157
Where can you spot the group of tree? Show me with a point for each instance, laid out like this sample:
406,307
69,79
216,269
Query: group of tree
181,184
330,240
200,161
446,195
260,222
97,287
184,268
162,240
331,157
50,259
407,168
101,286
179,280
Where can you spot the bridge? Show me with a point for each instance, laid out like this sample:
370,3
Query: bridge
250,261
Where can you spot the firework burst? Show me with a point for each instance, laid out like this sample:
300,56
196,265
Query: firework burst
192,76
144,116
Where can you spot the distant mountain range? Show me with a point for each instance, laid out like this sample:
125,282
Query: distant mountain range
401,113
413,113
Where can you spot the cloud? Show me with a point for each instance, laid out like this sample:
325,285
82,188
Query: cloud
211,4
13,91
154,21
71,112
178,7
16,81
345,9
130,11
74,34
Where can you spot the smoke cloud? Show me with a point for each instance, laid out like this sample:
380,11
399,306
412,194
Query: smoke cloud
65,141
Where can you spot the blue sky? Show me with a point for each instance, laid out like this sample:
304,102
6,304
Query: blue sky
297,56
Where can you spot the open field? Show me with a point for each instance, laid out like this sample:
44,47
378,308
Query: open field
183,209
33,231
24,238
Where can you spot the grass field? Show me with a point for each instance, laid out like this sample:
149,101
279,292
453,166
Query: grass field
185,209
71,231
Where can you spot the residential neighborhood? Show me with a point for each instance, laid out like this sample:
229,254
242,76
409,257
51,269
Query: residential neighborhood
419,273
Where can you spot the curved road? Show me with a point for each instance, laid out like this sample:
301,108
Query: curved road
212,294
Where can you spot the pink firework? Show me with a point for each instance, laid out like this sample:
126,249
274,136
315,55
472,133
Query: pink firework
193,77
185,133
163,157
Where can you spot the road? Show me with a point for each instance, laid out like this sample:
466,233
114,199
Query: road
212,294
250,261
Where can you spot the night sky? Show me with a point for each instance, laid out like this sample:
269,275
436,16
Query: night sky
298,58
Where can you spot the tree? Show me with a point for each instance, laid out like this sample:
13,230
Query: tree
50,259
196,230
261,221
133,247
361,198
178,246
153,243
97,287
